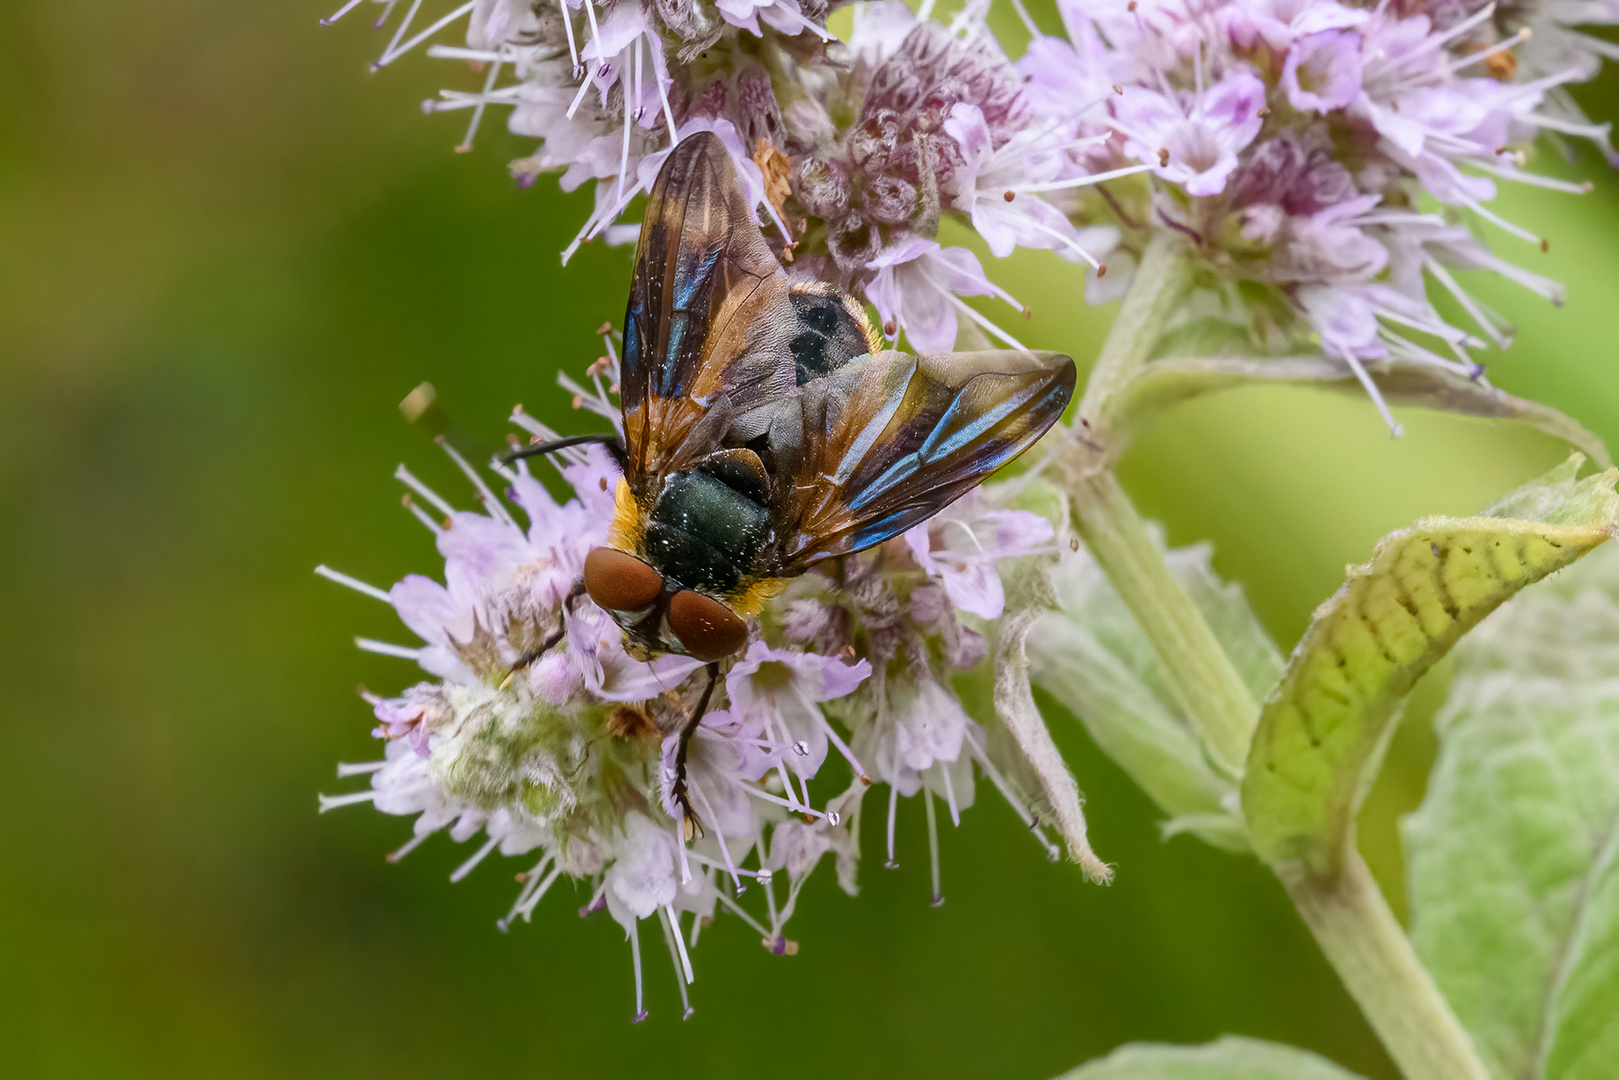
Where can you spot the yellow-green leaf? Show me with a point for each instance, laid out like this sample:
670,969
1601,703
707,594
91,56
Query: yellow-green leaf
1323,730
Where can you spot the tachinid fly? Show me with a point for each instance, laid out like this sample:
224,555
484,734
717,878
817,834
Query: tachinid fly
766,430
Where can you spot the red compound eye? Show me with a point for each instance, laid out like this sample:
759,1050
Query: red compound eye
707,628
620,582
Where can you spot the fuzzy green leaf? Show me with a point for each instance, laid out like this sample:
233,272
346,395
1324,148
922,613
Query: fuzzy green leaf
1094,659
1228,1058
1514,854
1324,728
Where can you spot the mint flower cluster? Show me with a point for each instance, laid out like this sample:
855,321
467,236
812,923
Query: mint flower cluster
569,761
1326,161
851,152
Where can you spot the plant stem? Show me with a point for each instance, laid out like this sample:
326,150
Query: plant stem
1198,671
1159,284
1367,947
1200,675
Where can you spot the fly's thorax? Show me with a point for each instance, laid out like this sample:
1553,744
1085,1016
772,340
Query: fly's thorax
709,525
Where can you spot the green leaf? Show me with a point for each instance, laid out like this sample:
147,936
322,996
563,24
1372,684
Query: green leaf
1161,383
1323,730
1094,659
1229,1058
1028,595
1514,854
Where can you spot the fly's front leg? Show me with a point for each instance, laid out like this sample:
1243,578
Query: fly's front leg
690,827
613,444
534,654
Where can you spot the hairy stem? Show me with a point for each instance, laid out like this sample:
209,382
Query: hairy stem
1160,284
1367,947
1200,675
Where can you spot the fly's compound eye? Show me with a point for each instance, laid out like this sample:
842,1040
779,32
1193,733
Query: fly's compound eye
620,582
707,628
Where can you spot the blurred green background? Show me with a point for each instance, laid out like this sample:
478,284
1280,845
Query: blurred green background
226,252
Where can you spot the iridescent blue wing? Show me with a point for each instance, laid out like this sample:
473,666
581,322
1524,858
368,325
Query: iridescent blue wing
891,439
708,329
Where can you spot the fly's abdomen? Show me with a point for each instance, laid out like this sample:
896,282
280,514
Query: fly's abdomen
704,534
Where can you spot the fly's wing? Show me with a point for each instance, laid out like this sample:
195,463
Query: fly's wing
707,332
891,439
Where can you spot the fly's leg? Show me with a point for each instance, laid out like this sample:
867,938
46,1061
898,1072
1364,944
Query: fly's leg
611,443
534,654
690,827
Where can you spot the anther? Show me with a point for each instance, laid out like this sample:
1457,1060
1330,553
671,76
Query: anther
1545,245
846,654
1009,196
1264,110
1073,545
1163,156
1117,89
578,402
833,818
889,328
1101,271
